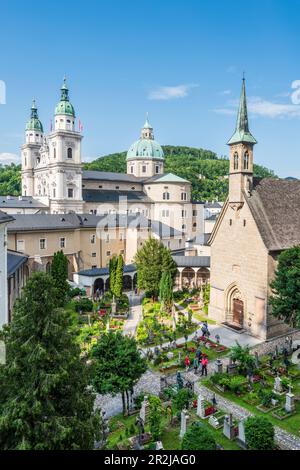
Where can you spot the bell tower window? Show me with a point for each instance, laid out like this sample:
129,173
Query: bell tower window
70,153
235,161
246,160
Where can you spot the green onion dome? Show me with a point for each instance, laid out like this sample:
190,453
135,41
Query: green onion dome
34,124
64,106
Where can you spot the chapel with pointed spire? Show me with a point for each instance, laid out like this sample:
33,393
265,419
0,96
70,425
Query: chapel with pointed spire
241,153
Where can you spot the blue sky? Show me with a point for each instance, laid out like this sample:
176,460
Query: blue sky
180,60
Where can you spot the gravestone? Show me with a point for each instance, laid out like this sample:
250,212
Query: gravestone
144,409
228,427
218,366
241,438
200,407
213,421
163,383
170,355
231,368
159,446
290,401
277,385
183,421
179,357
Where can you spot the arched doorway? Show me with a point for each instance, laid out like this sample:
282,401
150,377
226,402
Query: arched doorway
235,308
127,282
107,284
98,284
203,276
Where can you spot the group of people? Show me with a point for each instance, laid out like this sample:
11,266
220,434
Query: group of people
200,360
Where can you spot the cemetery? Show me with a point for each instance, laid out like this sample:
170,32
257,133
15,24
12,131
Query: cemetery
267,385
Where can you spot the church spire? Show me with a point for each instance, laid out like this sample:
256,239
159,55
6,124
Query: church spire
242,132
34,123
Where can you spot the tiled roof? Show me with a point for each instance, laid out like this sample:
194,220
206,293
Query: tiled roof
109,176
275,206
22,201
192,261
128,268
4,218
97,195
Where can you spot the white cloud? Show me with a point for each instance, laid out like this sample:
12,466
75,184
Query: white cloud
258,106
7,158
171,92
225,92
262,107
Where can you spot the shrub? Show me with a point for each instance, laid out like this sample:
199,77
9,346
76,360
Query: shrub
265,397
75,292
259,433
236,383
181,400
84,305
198,437
138,400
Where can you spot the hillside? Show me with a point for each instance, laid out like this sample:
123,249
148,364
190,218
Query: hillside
206,171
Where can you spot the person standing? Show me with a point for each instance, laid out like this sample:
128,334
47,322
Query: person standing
204,363
196,364
187,363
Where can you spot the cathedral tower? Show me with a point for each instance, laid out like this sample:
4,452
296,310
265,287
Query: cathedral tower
30,151
145,158
65,169
241,154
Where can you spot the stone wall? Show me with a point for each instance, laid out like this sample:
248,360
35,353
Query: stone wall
269,346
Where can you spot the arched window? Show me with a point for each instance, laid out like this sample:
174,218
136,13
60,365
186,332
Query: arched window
54,152
246,160
235,161
70,152
166,196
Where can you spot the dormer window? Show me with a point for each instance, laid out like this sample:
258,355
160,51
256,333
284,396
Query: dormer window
235,161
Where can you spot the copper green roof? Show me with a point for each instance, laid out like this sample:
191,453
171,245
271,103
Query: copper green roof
167,178
242,133
34,123
64,106
145,148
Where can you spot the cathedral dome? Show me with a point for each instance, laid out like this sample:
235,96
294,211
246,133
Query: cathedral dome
64,106
34,124
146,146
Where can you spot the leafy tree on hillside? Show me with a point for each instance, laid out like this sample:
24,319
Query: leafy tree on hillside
10,180
286,288
45,401
151,261
117,365
206,171
59,272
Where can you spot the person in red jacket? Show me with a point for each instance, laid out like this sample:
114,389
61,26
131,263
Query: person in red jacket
187,362
204,362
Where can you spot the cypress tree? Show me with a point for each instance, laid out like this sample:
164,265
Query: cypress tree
112,273
59,272
119,277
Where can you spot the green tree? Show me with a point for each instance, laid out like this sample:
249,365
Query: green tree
198,437
117,365
151,261
241,355
59,272
166,290
155,416
112,273
285,301
259,433
119,277
45,401
181,400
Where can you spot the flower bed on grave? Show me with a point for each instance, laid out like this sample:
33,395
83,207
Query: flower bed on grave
281,413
